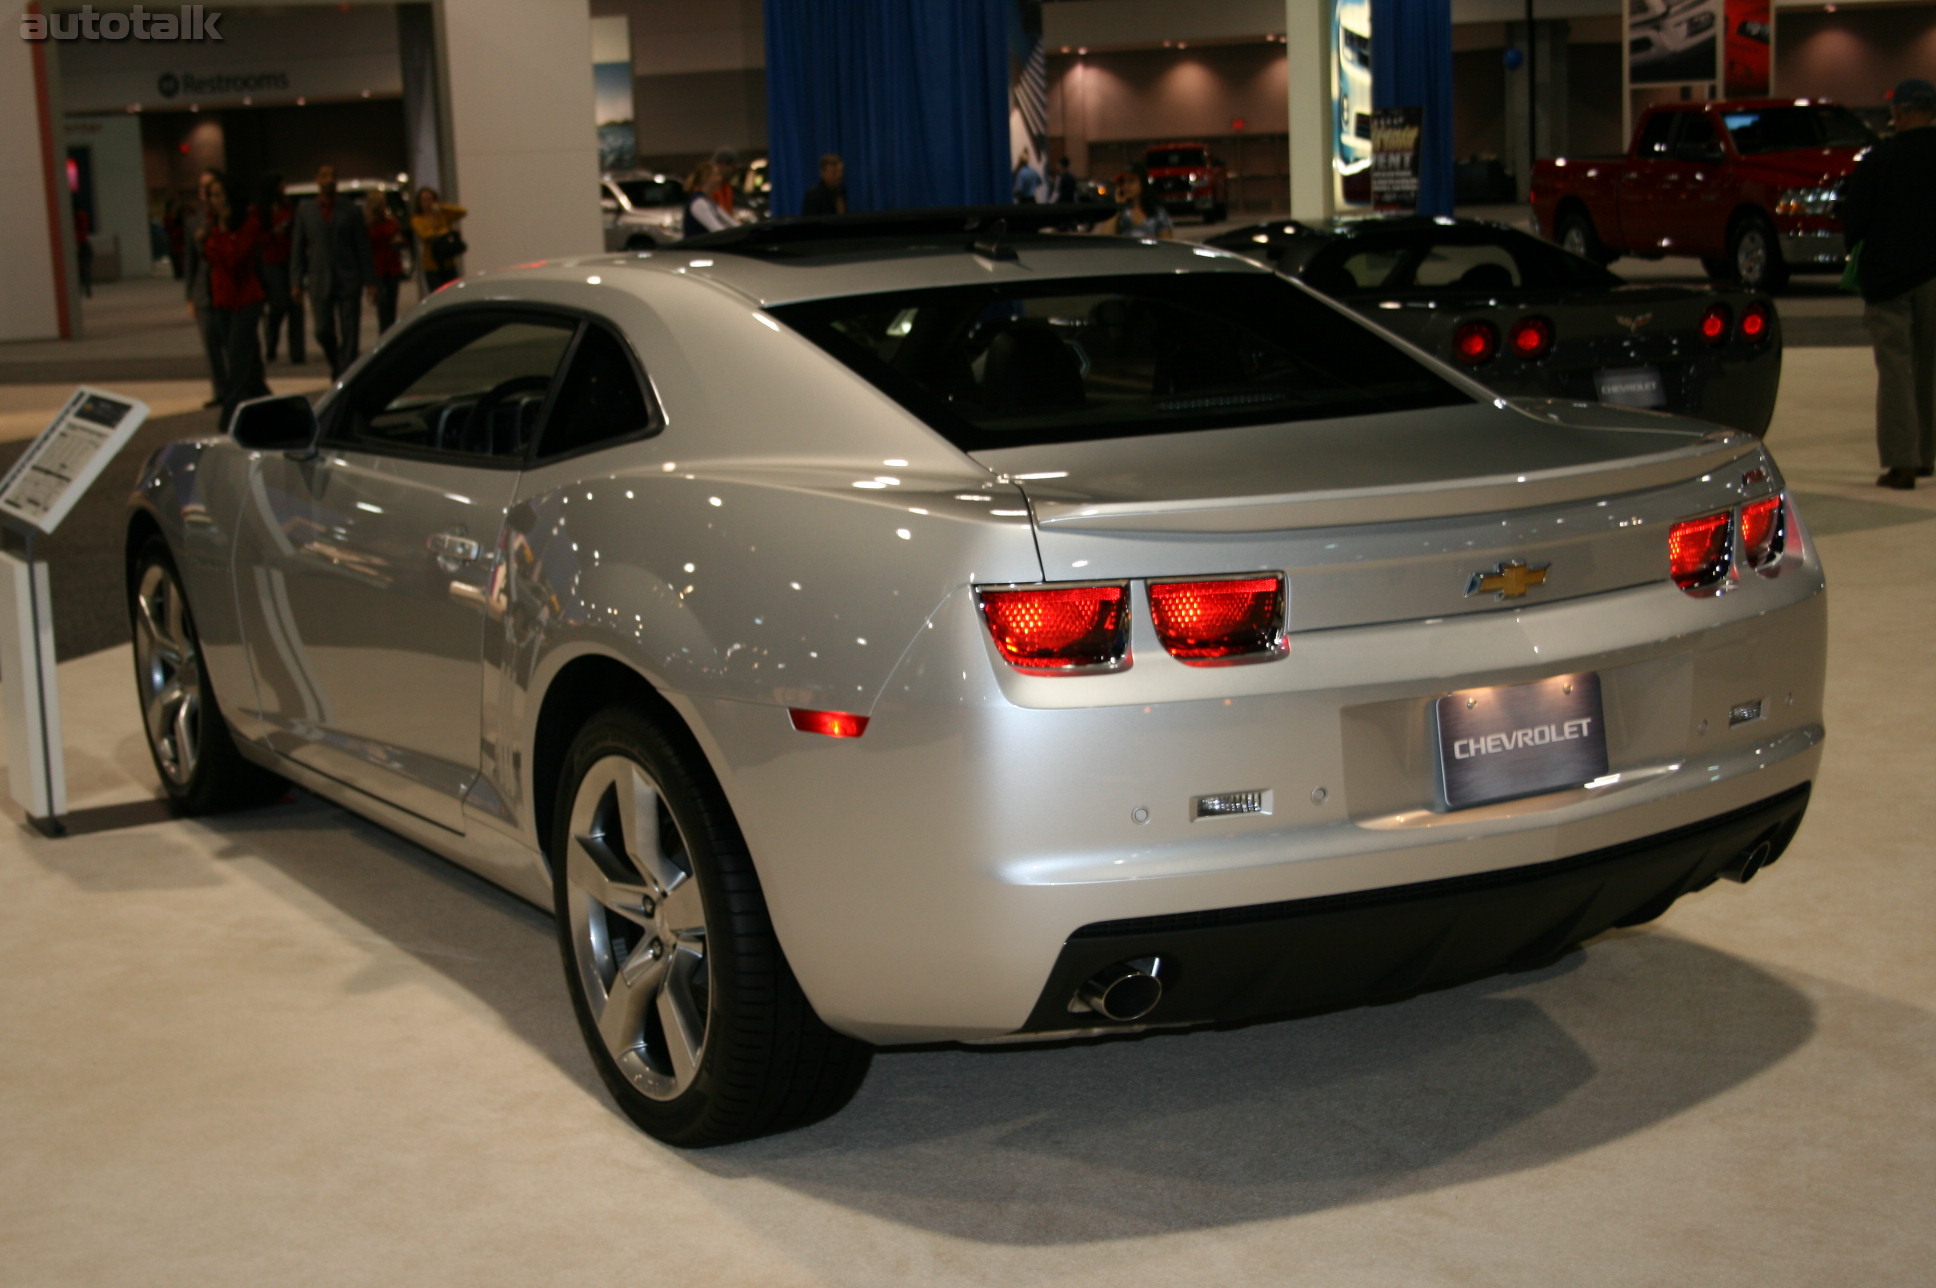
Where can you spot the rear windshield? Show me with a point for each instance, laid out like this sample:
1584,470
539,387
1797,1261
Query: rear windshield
1444,260
1784,129
1114,357
1175,158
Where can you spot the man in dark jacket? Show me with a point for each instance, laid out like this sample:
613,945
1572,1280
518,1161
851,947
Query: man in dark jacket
330,260
1889,210
829,196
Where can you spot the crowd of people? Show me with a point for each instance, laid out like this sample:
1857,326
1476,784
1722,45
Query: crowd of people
251,266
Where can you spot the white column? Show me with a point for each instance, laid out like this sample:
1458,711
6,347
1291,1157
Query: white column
1307,49
33,286
523,135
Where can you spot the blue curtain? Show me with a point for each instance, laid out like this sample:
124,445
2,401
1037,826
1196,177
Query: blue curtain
1411,66
913,94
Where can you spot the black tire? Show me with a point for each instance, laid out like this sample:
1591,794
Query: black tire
1754,255
1216,214
188,737
663,931
1718,268
1575,233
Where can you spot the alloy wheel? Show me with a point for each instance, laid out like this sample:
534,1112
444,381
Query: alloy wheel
168,668
1751,257
638,928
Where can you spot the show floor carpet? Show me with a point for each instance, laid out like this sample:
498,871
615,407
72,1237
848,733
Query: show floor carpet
284,1048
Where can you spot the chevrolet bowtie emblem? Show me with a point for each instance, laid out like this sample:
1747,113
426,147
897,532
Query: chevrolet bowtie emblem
1510,580
1633,325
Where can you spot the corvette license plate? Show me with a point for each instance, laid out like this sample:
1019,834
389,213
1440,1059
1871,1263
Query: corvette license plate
1519,739
1631,387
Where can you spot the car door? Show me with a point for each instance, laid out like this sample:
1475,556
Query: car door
1644,182
363,570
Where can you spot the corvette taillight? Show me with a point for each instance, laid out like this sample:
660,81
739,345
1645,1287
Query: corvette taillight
1059,628
1232,619
1757,320
1532,338
1716,323
1763,533
1697,552
1475,342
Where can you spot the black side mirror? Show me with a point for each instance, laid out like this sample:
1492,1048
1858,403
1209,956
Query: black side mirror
285,424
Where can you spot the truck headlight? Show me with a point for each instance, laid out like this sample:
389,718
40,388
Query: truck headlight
1808,201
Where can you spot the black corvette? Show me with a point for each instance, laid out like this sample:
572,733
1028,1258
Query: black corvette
1530,320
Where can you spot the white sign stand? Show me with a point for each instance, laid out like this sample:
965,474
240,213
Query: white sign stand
35,496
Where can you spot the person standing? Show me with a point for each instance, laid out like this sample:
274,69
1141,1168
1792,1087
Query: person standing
703,214
84,250
278,216
386,256
1140,214
438,244
1062,183
329,257
1889,211
231,238
195,278
1028,181
725,166
829,196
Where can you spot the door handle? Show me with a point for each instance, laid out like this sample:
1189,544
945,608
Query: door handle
453,549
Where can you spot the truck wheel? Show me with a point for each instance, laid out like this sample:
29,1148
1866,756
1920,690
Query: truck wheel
1216,214
1576,235
1754,254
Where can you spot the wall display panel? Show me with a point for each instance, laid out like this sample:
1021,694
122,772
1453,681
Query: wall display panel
1673,42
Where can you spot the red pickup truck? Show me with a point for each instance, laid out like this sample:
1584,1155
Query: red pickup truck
1752,186
1188,180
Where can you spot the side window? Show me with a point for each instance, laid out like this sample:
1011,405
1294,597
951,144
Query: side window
472,386
1656,134
1366,271
1695,128
600,399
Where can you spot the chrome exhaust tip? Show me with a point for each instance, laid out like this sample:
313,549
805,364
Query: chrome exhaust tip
1743,866
1126,991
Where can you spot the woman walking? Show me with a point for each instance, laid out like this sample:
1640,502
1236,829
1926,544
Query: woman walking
438,243
386,254
231,240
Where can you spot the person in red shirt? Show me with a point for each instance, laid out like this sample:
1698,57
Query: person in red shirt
386,254
278,216
231,242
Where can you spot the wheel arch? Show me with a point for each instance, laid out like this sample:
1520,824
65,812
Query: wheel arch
142,525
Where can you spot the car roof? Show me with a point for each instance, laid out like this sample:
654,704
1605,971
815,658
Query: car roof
793,260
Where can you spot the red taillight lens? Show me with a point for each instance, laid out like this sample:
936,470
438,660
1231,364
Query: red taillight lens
1203,622
835,724
1059,628
1716,323
1697,552
1762,532
1757,320
1532,338
1475,342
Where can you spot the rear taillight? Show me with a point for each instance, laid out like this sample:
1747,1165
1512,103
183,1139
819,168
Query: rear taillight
1532,338
1231,619
1757,321
1475,342
1763,533
835,724
1059,628
1697,552
1716,323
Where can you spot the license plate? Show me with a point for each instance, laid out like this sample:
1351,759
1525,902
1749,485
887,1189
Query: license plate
1631,387
1520,739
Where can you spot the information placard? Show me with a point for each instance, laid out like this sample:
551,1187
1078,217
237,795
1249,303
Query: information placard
49,478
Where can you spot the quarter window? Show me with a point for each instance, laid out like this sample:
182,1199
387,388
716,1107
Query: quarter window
599,400
473,386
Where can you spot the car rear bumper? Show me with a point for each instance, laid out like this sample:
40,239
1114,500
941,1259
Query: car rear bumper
1229,965
1818,248
928,879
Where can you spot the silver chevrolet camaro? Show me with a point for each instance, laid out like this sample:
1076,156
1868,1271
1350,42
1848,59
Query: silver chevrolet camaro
891,630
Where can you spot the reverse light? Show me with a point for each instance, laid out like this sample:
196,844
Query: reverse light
1060,628
1757,321
1475,342
1532,338
1231,619
1763,533
835,724
1697,552
1716,323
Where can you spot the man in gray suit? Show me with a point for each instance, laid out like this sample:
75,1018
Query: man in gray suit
195,275
330,259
